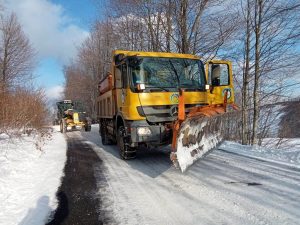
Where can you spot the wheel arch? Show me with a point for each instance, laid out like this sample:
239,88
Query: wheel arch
119,121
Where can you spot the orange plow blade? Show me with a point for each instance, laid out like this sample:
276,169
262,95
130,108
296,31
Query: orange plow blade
197,135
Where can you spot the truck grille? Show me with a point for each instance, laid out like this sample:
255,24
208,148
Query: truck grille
161,113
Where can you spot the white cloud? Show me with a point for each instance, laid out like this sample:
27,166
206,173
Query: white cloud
55,92
50,31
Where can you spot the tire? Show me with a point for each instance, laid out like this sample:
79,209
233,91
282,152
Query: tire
87,128
125,151
104,138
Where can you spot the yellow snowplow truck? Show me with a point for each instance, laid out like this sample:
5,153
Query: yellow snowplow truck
71,116
154,98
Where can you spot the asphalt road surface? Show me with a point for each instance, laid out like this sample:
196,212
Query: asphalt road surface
78,195
223,188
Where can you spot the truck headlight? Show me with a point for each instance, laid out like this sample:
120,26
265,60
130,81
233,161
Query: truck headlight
143,131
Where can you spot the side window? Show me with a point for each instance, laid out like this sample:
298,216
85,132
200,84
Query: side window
118,77
121,76
124,75
218,74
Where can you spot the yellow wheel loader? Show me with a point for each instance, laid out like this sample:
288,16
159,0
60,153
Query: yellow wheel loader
71,116
154,99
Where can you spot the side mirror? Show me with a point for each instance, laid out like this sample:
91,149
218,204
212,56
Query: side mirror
119,58
134,61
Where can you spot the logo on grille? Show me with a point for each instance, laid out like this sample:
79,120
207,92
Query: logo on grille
174,110
174,98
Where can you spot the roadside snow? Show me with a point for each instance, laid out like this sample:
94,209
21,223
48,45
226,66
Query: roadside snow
286,153
29,178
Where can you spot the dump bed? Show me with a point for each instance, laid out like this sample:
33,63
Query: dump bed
105,106
105,84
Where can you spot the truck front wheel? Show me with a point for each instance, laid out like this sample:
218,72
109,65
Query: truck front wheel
126,152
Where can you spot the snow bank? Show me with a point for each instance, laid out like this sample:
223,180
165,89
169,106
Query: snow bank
286,152
30,178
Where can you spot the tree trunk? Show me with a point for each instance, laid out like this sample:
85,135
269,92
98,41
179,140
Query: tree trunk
183,26
246,79
169,26
258,13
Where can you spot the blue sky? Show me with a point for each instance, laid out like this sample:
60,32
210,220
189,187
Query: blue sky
55,29
83,12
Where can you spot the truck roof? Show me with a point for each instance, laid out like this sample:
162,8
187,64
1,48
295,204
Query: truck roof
156,54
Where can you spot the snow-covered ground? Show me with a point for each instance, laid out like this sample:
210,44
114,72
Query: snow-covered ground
222,188
29,178
283,151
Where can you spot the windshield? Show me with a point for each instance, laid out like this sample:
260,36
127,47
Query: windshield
64,106
168,73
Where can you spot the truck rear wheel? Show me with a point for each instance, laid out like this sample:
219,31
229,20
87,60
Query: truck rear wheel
104,138
126,152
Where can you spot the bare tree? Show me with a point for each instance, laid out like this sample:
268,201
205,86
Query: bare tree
16,53
91,64
22,109
246,75
268,40
186,26
22,106
257,32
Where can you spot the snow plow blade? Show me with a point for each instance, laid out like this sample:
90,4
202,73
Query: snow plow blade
198,134
200,131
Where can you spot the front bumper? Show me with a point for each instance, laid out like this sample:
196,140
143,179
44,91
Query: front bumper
160,134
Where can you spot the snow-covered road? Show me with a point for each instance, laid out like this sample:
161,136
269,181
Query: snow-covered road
223,188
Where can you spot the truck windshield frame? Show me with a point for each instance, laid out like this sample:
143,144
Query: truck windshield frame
167,74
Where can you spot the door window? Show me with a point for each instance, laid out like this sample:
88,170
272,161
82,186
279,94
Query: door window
218,75
118,77
124,75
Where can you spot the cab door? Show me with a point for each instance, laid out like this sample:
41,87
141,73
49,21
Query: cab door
219,77
122,89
